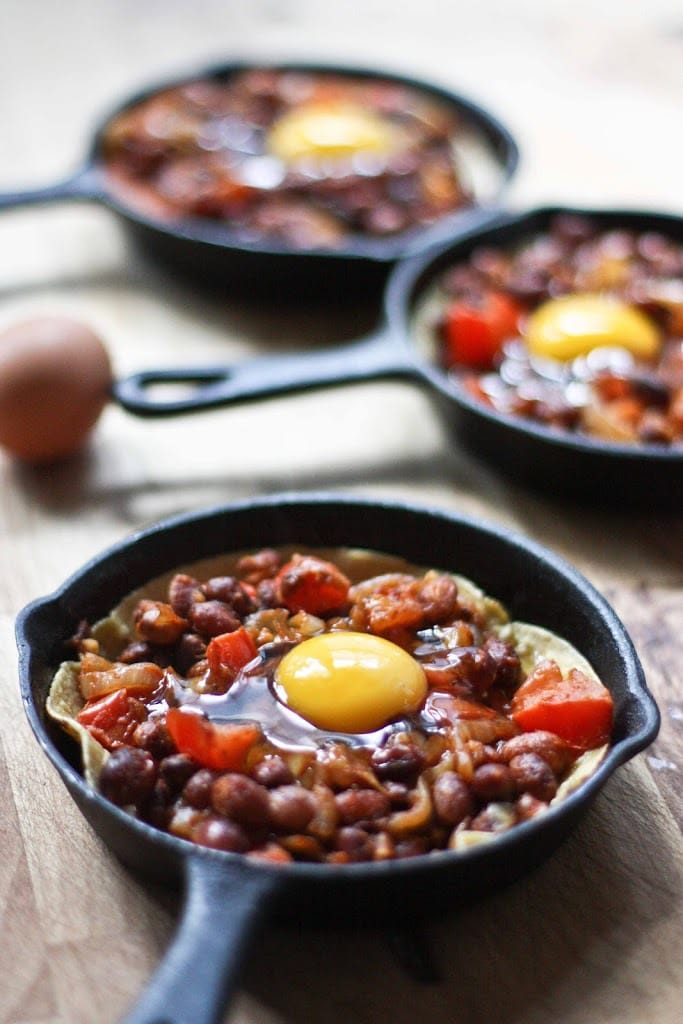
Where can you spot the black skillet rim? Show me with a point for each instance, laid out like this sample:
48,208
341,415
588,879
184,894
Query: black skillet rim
380,251
406,282
624,749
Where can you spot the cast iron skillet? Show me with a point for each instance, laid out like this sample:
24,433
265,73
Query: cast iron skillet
227,895
217,256
550,461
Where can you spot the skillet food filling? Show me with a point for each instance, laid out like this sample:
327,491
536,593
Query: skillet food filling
329,706
578,328
304,158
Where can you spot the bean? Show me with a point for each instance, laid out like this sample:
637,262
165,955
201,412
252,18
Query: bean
493,782
231,592
272,770
183,592
290,808
528,807
356,805
175,770
355,842
140,650
452,798
506,660
197,789
188,651
260,566
400,762
412,847
240,798
128,776
547,745
154,737
157,622
212,618
157,809
531,774
220,834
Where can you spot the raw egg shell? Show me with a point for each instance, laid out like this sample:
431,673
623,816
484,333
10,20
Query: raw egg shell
329,130
573,325
350,682
55,377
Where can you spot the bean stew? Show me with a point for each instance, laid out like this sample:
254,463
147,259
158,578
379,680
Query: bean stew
578,328
306,158
334,706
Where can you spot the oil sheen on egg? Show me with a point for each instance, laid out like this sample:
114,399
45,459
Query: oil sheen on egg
350,682
322,131
573,325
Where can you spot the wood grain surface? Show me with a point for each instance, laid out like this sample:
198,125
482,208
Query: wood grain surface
593,92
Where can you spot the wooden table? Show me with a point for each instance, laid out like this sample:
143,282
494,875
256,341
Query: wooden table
595,935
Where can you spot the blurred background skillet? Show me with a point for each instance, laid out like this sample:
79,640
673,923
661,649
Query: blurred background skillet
223,257
548,460
226,895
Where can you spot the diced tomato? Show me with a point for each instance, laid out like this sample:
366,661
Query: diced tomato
220,746
309,584
474,333
113,719
577,708
229,652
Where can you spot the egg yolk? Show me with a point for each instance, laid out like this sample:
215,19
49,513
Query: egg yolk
573,325
350,682
326,130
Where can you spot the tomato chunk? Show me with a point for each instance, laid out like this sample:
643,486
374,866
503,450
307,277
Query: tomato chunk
474,333
113,719
220,746
309,584
229,652
577,708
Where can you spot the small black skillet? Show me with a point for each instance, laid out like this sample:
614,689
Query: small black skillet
226,895
550,461
217,256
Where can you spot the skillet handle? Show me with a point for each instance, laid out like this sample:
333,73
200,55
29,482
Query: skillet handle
84,184
224,904
370,358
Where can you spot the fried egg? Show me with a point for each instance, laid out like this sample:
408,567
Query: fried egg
350,682
330,131
573,325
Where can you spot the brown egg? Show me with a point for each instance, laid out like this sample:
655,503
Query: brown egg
55,377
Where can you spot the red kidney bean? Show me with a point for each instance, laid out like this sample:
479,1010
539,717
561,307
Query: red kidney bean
527,807
212,618
531,774
452,798
153,736
290,808
188,651
231,592
507,667
355,842
141,650
176,770
241,799
183,592
156,622
128,776
197,789
356,805
272,770
547,745
493,782
221,834
261,566
400,762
